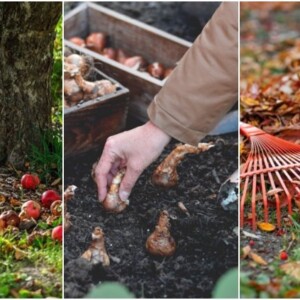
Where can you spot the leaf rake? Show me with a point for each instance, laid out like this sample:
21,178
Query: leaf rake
271,173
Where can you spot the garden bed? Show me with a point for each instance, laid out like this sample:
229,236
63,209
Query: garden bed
207,244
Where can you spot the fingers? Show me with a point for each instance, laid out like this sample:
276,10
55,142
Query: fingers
106,169
101,176
128,182
113,172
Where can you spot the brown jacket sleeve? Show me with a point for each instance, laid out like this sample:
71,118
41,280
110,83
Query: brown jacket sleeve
204,86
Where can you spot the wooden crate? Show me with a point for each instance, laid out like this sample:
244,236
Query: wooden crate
87,125
135,38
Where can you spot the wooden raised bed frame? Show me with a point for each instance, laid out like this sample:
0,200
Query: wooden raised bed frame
135,38
87,125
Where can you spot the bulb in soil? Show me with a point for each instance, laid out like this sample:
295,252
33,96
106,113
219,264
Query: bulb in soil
96,252
112,203
165,175
68,195
70,192
160,242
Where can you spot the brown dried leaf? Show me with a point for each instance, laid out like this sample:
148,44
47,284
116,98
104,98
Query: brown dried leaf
249,101
246,251
56,182
19,254
292,269
258,259
15,202
274,191
2,198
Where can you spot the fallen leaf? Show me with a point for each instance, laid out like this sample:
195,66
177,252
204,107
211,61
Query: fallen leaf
268,227
246,251
56,182
274,191
258,259
249,101
2,198
19,254
251,235
292,269
15,202
291,294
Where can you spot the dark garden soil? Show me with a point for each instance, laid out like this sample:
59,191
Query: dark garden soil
207,244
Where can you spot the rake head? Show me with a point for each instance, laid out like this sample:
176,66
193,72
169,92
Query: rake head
271,174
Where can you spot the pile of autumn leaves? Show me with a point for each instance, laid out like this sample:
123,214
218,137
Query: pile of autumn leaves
270,88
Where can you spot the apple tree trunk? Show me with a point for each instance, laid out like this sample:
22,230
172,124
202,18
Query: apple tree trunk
27,34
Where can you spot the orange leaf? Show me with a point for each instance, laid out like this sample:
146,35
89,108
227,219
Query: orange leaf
249,101
2,198
268,227
258,259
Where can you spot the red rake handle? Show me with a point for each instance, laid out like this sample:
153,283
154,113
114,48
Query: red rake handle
249,130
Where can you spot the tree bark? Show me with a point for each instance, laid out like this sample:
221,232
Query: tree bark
27,34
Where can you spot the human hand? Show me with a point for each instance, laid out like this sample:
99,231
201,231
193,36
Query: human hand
135,149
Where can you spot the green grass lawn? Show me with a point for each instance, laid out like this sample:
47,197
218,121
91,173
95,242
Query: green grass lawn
29,271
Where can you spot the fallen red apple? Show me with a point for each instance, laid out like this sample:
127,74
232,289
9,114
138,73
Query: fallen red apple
9,218
30,181
57,233
30,209
283,255
49,197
